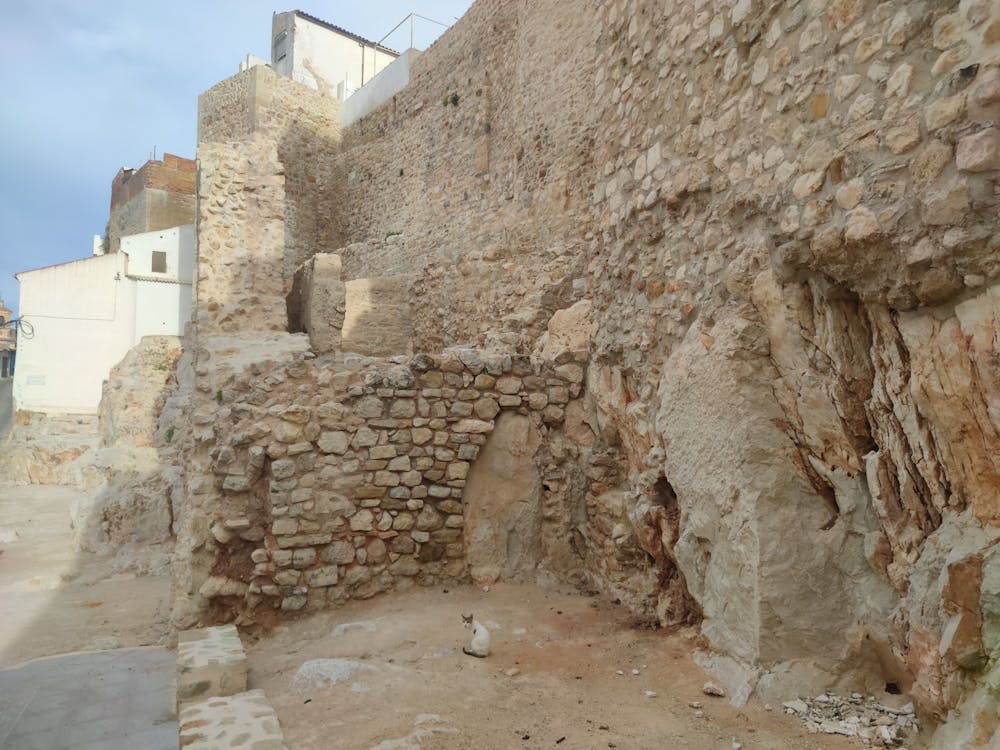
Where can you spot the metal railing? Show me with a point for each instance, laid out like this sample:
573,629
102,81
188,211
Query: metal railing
411,18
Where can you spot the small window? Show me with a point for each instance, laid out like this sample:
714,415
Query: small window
159,261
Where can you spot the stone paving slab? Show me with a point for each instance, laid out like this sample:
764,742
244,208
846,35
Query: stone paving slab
210,662
245,720
113,700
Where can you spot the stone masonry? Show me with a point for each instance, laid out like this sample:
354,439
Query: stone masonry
769,229
350,475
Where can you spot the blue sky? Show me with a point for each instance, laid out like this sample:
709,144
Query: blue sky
90,87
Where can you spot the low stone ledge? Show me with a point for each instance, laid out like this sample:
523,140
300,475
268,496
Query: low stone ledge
244,720
211,663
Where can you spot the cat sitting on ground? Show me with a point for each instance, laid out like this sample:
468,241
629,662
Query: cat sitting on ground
480,645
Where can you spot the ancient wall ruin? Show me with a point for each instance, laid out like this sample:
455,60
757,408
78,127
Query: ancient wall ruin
771,227
343,480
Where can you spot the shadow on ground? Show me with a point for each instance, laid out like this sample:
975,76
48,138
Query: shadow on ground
83,662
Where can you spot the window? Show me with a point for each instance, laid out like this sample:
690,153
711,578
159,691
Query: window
159,261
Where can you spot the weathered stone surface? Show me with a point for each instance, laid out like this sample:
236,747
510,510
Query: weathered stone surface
334,442
503,504
244,719
377,317
979,152
784,283
210,663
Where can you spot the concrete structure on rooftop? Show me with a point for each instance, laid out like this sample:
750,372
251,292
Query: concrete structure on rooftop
86,314
323,56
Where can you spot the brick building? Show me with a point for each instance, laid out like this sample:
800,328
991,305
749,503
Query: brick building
158,195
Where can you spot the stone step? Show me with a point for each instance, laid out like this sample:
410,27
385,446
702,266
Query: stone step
245,720
210,663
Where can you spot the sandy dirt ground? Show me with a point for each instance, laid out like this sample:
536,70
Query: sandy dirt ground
55,600
552,680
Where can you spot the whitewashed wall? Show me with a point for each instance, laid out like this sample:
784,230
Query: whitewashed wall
88,313
320,57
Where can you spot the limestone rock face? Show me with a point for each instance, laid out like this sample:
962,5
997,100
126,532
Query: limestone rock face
51,449
133,508
569,330
503,504
133,395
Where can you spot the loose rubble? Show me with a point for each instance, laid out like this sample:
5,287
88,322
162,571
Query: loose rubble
875,724
710,688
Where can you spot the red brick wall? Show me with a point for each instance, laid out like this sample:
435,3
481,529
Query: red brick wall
174,174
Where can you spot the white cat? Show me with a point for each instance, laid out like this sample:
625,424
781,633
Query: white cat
480,645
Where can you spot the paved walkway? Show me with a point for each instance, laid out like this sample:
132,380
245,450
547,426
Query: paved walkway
112,700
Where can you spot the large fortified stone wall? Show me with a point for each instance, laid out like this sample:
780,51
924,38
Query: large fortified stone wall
779,221
794,289
480,168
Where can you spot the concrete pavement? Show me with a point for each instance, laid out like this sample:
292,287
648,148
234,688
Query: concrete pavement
60,613
108,700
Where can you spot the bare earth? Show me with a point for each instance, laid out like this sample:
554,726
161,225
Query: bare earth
54,600
551,681
423,693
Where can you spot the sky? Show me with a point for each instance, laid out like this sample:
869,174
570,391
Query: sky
91,86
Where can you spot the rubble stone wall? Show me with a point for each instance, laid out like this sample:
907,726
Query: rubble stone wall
480,168
241,238
290,132
326,480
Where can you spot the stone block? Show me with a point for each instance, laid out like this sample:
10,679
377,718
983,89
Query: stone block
317,300
334,442
325,576
244,720
979,152
377,318
210,663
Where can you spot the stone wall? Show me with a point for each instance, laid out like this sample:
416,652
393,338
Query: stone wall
480,169
323,480
302,126
794,311
778,221
241,238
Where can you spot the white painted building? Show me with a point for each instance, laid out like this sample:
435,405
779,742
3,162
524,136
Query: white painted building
86,314
323,56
